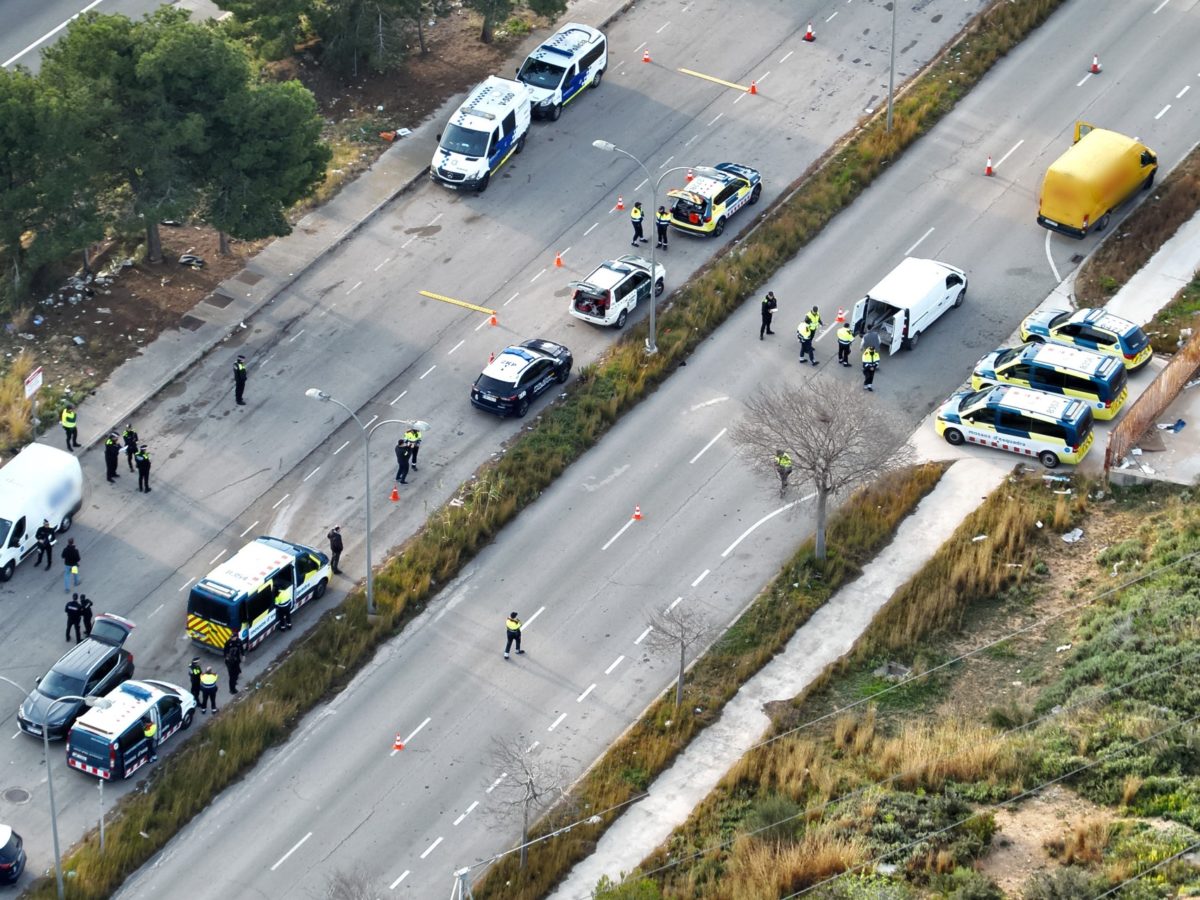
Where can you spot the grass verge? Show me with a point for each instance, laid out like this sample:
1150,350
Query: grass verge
328,656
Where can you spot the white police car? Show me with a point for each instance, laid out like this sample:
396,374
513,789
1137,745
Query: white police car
556,73
521,373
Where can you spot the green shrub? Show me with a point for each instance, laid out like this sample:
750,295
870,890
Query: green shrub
1064,884
774,817
965,884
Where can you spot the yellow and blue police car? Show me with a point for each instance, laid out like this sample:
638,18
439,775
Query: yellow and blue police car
1097,378
1091,329
712,196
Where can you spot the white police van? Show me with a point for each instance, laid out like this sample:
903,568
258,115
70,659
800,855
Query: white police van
483,133
111,743
556,73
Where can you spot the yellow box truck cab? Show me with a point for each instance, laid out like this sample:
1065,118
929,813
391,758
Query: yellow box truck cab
1100,172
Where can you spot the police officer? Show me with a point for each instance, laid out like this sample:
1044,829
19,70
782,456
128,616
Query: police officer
635,216
413,438
85,609
208,690
335,548
769,305
130,437
45,544
402,455
513,627
870,363
813,317
845,337
783,465
239,380
283,610
74,614
805,331
68,422
233,661
194,673
662,219
150,730
142,458
112,455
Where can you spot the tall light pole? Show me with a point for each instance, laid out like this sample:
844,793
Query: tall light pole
892,67
609,147
318,394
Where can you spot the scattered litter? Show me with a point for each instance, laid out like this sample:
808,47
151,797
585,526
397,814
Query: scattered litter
1073,536
1057,478
1039,523
79,342
893,671
104,310
1099,495
1016,684
1137,451
1116,566
38,320
191,260
978,538
403,132
1147,470
1014,565
1062,648
1192,383
1067,491
886,868
1174,427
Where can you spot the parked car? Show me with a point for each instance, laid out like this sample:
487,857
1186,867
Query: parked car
12,855
1091,329
614,289
111,742
521,373
91,668
712,196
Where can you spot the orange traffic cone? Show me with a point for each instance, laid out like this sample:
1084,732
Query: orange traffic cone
637,514
1095,66
395,497
690,175
493,320
620,202
646,55
754,87
808,35
398,744
987,170
558,260
841,317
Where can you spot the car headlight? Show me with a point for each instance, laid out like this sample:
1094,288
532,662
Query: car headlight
547,102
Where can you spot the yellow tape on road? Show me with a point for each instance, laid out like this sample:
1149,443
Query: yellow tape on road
728,84
464,304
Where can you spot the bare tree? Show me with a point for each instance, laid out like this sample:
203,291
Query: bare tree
678,628
529,785
835,438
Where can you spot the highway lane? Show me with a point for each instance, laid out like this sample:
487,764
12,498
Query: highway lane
985,225
355,326
29,26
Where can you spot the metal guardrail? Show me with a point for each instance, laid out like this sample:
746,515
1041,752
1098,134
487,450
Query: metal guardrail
1145,410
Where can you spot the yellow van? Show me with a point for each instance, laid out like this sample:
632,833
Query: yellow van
1099,173
1098,378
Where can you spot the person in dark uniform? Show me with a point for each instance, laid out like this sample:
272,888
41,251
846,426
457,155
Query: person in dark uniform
662,221
233,661
335,548
74,614
239,380
150,730
112,456
806,332
413,438
635,217
143,469
85,609
194,673
283,610
845,337
208,690
402,453
769,305
513,627
870,363
130,437
45,543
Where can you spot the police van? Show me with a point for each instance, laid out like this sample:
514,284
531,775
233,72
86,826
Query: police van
1053,429
557,72
483,133
1098,378
111,743
239,596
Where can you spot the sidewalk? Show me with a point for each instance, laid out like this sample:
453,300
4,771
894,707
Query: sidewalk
283,262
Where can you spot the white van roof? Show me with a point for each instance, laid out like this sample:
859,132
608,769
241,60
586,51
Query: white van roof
33,463
910,281
129,701
490,100
567,43
250,566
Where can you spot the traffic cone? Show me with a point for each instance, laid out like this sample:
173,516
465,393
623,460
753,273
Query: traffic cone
398,744
690,175
841,317
558,260
491,358
754,87
988,168
395,497
493,320
646,55
637,514
1095,66
808,35
620,202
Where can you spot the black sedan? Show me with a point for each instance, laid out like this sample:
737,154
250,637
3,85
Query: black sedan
521,373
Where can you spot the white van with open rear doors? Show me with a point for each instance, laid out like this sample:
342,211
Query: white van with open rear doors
907,301
39,483
572,59
481,136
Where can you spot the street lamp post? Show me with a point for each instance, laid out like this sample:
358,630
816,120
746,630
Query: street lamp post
320,395
892,68
609,147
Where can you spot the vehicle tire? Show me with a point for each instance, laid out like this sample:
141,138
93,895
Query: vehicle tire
954,437
911,344
1035,339
1049,459
562,376
622,317
555,112
596,80
319,591
755,193
962,295
720,227
521,143
7,572
1103,222
1149,182
187,719
67,521
522,408
483,183
659,287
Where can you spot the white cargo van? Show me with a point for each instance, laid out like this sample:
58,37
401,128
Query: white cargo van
483,133
901,307
40,482
572,59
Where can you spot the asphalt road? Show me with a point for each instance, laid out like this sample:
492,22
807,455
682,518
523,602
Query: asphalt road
337,798
28,26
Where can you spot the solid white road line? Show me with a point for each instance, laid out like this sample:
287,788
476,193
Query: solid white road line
529,621
427,371
616,662
218,556
382,264
618,534
455,347
706,446
53,31
1050,259
768,517
675,603
283,858
557,722
700,577
353,289
285,496
467,813
495,784
185,584
583,696
1162,112
248,527
1186,88
909,251
394,884
1008,154
641,637
431,847
399,397
345,444
296,335
312,473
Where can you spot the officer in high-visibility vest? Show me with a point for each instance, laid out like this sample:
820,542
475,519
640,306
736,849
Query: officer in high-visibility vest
662,219
68,422
283,610
870,362
635,216
130,437
806,331
845,337
413,437
239,380
513,627
150,730
208,690
813,318
142,458
783,465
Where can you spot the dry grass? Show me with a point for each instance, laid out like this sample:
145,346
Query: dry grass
924,755
759,871
16,412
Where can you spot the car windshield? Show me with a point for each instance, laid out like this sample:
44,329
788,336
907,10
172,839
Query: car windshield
490,385
540,73
1061,318
1006,355
466,141
56,685
5,528
972,399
